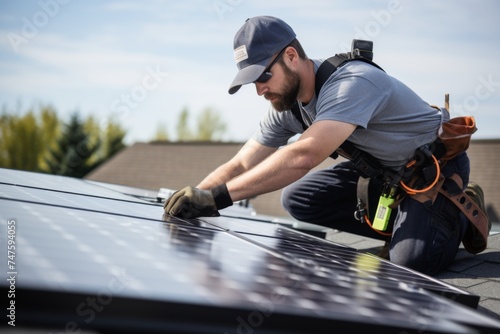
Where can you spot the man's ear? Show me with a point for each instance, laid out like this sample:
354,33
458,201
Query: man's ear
291,55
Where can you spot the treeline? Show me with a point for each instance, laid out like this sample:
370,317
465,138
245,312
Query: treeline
41,141
208,127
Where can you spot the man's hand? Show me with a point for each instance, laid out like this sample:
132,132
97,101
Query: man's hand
191,202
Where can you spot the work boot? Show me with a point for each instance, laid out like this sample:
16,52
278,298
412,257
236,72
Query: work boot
476,193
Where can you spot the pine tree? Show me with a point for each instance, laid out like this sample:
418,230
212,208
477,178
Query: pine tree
74,151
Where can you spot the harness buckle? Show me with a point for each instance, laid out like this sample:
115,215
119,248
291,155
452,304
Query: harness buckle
360,212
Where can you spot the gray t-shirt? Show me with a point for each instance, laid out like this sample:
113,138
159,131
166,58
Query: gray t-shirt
393,121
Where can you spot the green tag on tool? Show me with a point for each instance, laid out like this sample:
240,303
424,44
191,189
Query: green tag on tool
383,213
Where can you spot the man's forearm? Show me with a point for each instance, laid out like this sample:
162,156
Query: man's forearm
222,174
250,155
283,168
291,162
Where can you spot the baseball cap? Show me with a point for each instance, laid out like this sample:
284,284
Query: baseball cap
255,43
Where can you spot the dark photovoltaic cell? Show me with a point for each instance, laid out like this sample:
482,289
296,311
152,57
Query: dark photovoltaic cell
98,261
58,183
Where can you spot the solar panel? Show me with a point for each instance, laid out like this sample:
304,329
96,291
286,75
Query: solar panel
116,205
103,261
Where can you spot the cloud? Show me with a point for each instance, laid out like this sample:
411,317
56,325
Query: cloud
434,48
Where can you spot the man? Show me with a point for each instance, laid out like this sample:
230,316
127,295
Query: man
358,102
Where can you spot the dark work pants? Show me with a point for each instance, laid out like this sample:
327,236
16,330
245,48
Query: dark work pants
425,237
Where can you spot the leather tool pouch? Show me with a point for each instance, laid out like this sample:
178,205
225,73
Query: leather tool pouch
455,135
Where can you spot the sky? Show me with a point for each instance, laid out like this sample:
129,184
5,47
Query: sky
139,63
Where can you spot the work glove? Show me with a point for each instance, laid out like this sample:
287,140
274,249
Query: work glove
191,202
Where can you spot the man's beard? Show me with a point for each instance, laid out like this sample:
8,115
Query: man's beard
286,100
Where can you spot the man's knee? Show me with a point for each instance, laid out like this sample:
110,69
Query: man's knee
410,258
416,255
292,203
286,195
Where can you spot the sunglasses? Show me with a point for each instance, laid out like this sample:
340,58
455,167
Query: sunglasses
266,75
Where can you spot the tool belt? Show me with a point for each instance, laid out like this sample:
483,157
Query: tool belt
422,180
453,139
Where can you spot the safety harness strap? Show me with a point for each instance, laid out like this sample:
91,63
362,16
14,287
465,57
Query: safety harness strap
363,198
476,236
325,70
331,64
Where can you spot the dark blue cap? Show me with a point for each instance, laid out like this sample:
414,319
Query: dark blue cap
255,44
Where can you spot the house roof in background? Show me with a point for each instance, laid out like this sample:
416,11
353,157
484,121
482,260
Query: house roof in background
175,165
